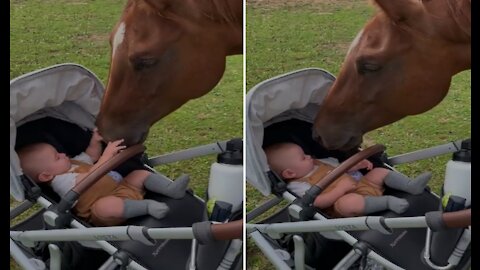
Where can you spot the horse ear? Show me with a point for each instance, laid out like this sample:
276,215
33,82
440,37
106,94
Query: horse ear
401,10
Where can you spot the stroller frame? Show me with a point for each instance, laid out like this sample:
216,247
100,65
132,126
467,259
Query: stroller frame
339,226
72,95
101,235
297,95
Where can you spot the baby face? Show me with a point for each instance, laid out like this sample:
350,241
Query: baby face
296,161
54,163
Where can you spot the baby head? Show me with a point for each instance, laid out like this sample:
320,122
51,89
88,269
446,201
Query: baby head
288,160
42,162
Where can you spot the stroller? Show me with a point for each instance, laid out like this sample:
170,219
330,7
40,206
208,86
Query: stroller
58,105
299,236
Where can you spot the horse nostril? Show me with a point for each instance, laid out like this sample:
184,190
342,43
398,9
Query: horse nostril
143,136
136,138
319,140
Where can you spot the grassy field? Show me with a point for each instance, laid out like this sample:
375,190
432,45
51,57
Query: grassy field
44,33
286,35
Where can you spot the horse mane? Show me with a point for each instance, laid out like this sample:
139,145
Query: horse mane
457,10
461,13
220,11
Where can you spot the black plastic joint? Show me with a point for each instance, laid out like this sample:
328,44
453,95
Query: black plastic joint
202,231
385,159
278,185
67,201
362,247
307,213
32,190
122,258
310,195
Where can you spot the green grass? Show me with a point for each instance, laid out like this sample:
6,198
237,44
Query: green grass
283,36
48,32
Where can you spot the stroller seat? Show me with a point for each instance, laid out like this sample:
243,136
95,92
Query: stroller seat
70,138
403,247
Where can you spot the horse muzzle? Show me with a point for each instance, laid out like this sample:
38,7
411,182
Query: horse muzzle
341,141
130,134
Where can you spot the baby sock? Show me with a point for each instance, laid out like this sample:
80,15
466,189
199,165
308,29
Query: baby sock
135,208
380,203
401,182
162,185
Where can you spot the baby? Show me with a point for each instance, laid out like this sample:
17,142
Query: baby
351,194
111,200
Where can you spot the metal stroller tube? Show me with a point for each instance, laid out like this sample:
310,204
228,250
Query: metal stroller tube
108,166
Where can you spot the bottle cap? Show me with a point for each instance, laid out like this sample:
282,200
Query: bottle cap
233,158
235,145
462,155
467,144
233,154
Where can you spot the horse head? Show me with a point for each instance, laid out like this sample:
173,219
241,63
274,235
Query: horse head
164,53
401,63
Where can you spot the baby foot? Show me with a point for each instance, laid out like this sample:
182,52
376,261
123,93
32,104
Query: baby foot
157,209
418,185
397,205
178,187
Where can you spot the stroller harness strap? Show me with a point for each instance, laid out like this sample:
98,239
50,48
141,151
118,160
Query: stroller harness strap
322,170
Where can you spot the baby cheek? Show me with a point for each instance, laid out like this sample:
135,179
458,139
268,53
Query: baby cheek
67,164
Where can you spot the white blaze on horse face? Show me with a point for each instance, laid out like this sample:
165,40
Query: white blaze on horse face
118,38
355,42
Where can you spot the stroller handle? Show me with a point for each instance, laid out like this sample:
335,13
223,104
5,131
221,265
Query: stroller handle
109,165
458,219
228,231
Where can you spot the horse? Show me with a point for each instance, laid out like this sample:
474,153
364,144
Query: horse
164,53
401,63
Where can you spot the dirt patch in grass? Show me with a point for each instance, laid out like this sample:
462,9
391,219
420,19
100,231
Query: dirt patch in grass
94,38
322,5
338,46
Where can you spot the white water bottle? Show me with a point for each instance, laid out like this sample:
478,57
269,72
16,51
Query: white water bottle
225,186
457,187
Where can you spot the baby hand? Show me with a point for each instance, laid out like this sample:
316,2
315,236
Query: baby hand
365,164
96,137
113,148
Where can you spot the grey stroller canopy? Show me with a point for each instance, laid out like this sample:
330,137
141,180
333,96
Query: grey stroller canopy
295,95
68,92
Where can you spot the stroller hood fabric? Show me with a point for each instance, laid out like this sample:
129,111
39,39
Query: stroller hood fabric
294,95
68,91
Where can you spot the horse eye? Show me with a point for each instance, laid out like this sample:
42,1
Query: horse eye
144,63
364,68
